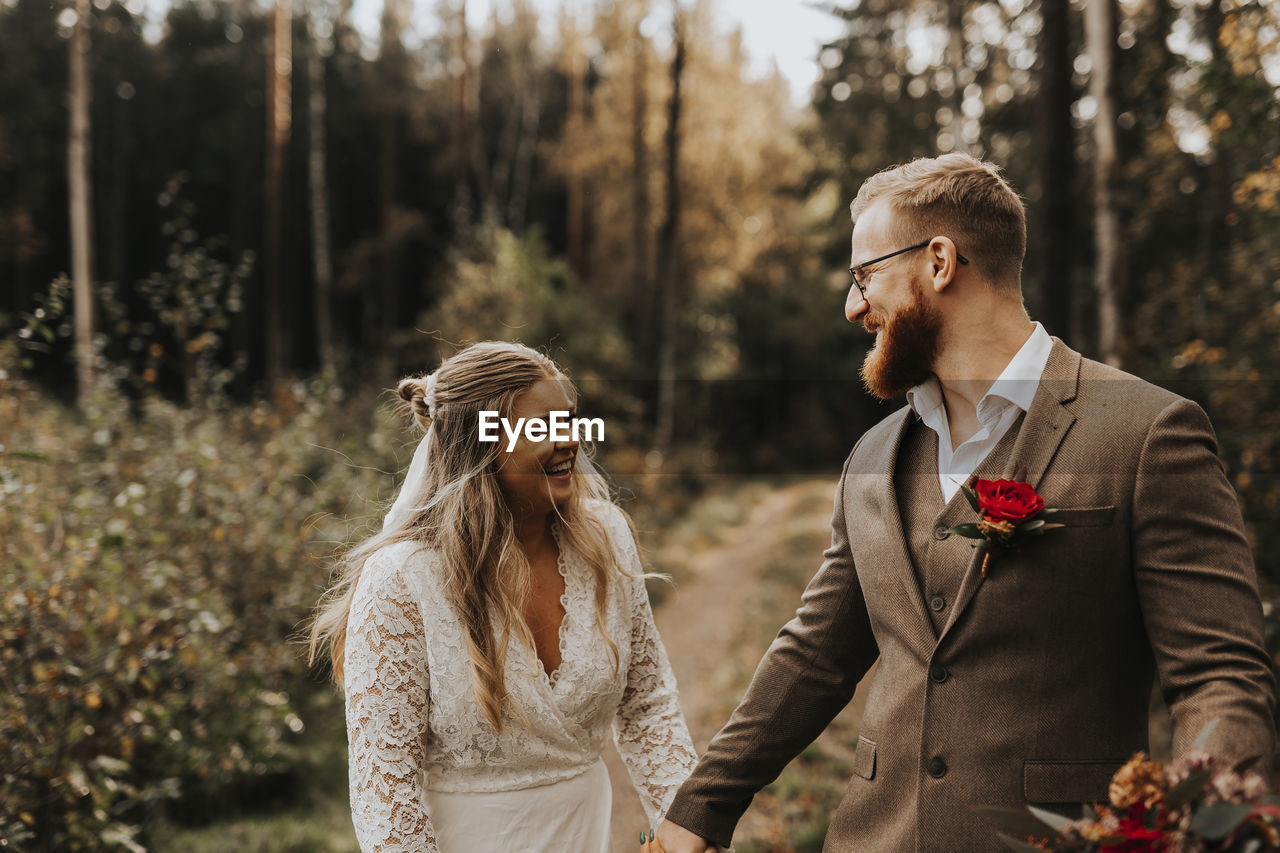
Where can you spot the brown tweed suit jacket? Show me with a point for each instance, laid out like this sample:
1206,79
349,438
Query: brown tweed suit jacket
1035,688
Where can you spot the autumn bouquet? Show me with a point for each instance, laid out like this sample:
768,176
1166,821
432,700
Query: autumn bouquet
1188,805
1010,513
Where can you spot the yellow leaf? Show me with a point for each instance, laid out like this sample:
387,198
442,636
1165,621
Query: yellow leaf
93,700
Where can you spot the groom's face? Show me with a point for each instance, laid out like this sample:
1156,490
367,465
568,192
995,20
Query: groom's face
906,344
896,309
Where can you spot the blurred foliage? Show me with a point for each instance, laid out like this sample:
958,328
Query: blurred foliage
450,159
1204,319
171,328
506,286
155,559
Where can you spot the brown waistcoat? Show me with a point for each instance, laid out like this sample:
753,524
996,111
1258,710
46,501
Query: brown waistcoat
939,559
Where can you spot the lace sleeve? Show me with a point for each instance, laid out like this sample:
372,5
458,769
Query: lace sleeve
649,729
385,681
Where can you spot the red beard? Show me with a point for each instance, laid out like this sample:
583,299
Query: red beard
905,348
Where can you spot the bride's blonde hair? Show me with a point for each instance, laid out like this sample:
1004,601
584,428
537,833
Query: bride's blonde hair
461,515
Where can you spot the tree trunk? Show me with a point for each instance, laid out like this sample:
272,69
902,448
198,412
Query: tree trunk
955,25
389,239
1055,163
1216,181
1100,37
480,170
393,65
279,119
462,169
1159,58
645,305
80,202
116,237
522,179
668,250
317,168
508,186
576,125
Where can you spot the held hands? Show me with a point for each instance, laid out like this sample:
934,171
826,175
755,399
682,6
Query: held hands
673,838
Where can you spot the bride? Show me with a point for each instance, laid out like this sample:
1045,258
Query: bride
493,632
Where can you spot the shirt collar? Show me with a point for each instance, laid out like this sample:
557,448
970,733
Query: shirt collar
1017,383
926,398
1021,376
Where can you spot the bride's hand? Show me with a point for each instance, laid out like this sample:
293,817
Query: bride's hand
649,843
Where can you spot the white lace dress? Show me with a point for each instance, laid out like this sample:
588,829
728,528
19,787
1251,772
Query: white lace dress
428,772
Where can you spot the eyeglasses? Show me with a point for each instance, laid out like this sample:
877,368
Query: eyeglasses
862,285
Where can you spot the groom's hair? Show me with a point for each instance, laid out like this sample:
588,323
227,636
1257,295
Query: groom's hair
960,197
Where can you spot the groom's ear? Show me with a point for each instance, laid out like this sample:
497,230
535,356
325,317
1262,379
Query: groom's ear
943,262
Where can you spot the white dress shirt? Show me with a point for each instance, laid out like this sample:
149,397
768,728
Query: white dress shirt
1008,396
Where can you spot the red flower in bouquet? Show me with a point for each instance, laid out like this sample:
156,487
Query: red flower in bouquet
1133,835
1188,805
1010,512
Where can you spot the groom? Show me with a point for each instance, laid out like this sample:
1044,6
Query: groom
1028,685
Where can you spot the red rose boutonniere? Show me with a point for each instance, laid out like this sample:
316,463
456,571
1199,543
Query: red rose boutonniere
1011,514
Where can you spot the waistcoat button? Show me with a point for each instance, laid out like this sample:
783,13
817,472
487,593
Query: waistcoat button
937,603
940,532
937,767
938,673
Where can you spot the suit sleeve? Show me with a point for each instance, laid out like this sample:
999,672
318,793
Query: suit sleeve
1199,593
807,677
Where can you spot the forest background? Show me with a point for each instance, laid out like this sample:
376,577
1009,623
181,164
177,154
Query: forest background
222,238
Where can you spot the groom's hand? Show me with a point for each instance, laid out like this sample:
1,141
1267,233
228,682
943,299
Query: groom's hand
677,839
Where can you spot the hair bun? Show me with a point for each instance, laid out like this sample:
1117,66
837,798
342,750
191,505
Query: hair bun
419,393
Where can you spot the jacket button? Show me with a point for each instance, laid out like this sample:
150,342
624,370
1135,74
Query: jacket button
941,532
937,603
938,673
937,767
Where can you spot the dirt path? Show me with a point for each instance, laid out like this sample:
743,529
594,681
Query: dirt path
719,621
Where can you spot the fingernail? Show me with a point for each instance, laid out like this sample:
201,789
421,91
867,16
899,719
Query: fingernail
651,835
642,837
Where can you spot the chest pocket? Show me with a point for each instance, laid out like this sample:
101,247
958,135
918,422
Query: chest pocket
1086,516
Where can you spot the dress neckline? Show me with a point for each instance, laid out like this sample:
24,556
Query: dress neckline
553,678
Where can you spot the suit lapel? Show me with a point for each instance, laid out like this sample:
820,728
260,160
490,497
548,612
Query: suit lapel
1043,429
1049,419
893,544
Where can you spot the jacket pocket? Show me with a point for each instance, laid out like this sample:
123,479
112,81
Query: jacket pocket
1084,516
864,759
1068,781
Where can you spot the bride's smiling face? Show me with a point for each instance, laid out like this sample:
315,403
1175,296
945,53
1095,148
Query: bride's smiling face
536,477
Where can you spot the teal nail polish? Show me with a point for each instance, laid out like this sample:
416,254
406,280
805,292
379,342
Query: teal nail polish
651,835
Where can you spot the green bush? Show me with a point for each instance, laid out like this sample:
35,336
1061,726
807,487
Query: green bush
155,560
